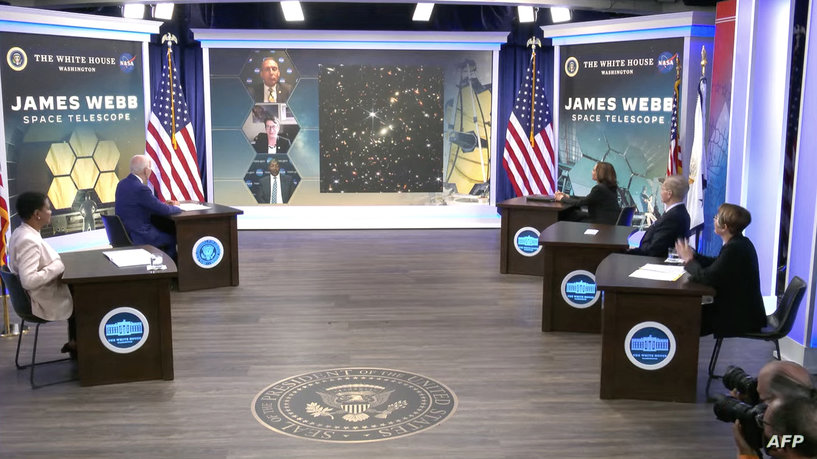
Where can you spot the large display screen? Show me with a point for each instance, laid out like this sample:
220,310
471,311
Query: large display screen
615,105
349,127
73,116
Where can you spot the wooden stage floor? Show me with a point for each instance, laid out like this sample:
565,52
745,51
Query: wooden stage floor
430,302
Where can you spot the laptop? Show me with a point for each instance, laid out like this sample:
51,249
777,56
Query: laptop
541,197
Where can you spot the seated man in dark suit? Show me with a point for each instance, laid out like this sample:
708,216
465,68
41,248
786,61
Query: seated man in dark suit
270,89
135,203
269,141
672,225
276,188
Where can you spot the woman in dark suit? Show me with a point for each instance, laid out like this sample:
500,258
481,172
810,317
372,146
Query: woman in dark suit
602,202
738,306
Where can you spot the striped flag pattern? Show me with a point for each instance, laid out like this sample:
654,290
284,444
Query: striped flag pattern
529,157
4,218
674,159
170,140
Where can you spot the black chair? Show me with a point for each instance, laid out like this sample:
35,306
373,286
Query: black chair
625,217
22,306
779,323
117,235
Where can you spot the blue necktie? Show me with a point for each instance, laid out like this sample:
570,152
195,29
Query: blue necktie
273,199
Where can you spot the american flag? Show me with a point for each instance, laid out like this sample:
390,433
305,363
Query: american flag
4,218
529,158
176,174
674,159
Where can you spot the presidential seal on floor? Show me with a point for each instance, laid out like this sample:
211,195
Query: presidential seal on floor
349,405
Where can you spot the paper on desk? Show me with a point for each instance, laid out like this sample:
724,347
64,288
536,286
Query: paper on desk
591,231
658,272
131,257
191,206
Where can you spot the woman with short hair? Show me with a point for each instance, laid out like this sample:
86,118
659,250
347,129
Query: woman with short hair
734,273
39,266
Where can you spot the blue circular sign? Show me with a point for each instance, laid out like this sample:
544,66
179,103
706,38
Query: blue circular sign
666,61
123,330
526,241
208,252
650,345
579,289
126,62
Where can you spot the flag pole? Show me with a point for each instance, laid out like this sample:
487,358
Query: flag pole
170,39
533,42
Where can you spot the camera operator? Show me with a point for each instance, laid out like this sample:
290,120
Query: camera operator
792,410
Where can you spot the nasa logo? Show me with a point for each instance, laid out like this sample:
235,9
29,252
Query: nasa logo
650,345
16,58
579,289
208,252
526,241
354,405
126,63
123,330
666,61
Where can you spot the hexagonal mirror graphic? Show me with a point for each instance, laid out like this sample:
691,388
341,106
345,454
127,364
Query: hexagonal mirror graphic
269,76
106,187
83,141
259,179
270,128
61,193
106,155
85,173
60,159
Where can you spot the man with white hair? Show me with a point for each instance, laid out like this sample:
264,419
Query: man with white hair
135,203
672,225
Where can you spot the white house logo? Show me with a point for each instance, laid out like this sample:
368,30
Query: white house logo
666,61
208,252
354,405
126,62
123,330
571,66
526,241
579,289
16,58
650,345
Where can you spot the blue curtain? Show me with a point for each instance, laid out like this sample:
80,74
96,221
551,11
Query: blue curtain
513,61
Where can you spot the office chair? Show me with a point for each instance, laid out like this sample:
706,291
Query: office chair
117,235
779,324
22,306
625,217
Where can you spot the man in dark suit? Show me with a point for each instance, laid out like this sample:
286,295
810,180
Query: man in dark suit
135,203
672,225
269,141
269,89
275,188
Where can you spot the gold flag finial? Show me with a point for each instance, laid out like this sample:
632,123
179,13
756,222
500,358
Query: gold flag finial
703,60
169,38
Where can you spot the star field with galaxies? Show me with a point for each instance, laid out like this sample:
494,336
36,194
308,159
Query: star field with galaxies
381,129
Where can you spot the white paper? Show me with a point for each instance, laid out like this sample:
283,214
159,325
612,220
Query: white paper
131,257
659,272
191,206
591,231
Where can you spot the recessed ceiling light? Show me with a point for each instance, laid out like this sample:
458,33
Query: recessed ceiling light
559,14
292,11
423,12
163,11
525,14
133,11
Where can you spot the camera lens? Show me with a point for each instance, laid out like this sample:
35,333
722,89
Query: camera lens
737,379
730,409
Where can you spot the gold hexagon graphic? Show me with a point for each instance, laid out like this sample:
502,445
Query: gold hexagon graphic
106,187
60,158
85,173
62,192
106,155
83,141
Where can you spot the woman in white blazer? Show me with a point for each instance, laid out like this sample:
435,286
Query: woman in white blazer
38,265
